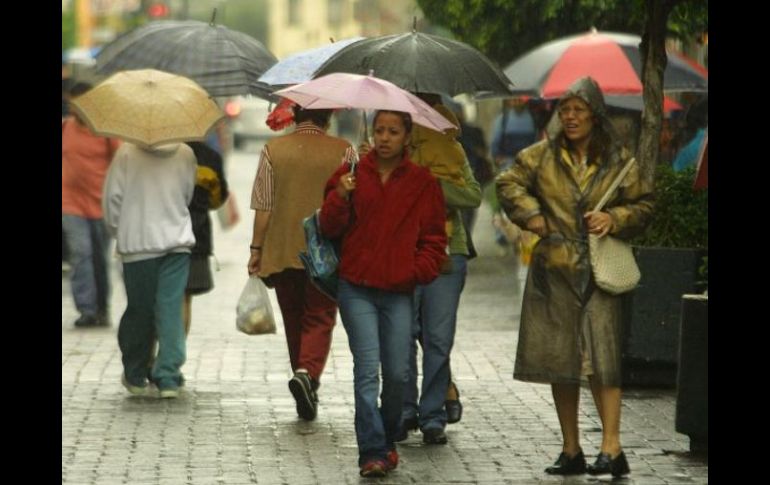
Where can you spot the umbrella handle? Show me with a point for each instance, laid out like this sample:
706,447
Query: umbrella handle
366,126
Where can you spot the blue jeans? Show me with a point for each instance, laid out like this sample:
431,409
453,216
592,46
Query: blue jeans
378,326
154,292
88,243
434,325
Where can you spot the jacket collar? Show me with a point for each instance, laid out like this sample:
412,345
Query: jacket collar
309,127
370,162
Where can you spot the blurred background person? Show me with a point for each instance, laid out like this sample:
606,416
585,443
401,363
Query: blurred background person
85,160
694,134
210,193
512,130
220,139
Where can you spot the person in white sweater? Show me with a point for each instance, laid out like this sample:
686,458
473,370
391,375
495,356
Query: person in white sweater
146,197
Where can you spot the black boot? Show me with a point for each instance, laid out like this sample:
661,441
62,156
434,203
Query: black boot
409,424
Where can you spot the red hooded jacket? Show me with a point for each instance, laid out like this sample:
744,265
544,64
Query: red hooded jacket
394,237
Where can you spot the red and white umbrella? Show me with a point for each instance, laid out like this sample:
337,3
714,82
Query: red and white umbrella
612,59
635,103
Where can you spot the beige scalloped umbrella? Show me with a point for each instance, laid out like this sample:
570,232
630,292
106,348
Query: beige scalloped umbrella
148,107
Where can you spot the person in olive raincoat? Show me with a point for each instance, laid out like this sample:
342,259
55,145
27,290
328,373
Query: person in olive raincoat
570,328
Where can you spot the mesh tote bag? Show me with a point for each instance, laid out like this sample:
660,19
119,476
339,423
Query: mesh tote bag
612,260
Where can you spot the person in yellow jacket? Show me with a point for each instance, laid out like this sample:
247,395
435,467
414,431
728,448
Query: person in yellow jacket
437,402
439,152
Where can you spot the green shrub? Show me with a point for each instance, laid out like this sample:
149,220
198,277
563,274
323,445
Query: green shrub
680,217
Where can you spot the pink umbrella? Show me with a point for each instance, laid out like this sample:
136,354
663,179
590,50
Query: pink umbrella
343,90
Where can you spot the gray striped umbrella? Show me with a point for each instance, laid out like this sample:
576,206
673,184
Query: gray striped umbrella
224,62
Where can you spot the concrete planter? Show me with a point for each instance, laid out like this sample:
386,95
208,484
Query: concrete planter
692,392
651,315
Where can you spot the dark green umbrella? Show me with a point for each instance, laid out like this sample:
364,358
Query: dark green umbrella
422,63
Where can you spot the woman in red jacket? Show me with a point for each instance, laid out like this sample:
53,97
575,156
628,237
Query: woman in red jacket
390,216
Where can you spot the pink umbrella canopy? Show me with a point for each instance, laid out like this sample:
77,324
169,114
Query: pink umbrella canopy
343,90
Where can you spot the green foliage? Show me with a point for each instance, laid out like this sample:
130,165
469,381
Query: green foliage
680,218
506,29
689,19
247,16
703,272
68,30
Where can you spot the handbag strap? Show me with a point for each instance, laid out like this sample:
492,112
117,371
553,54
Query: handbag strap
614,185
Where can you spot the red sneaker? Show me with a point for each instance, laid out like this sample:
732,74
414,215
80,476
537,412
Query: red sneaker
392,459
374,468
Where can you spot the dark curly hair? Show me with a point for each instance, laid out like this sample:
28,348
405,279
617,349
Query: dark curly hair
406,118
319,117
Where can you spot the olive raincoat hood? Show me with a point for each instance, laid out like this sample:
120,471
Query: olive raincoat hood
588,90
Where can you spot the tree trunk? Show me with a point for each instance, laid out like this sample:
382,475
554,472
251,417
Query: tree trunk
653,55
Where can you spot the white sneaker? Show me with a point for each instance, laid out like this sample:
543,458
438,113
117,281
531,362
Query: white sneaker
169,393
132,389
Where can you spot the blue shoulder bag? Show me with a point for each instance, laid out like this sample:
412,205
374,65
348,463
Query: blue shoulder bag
323,255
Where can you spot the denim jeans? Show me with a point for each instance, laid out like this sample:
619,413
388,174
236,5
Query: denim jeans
434,325
154,292
88,243
378,325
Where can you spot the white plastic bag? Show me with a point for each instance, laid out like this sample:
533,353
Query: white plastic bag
255,314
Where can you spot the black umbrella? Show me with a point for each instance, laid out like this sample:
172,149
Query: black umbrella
224,62
422,63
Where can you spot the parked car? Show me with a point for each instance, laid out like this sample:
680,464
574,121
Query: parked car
247,120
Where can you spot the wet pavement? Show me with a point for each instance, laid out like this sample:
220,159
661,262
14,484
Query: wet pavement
235,422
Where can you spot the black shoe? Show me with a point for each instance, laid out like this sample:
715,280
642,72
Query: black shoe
87,321
454,408
565,465
103,319
434,436
617,466
303,393
409,424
